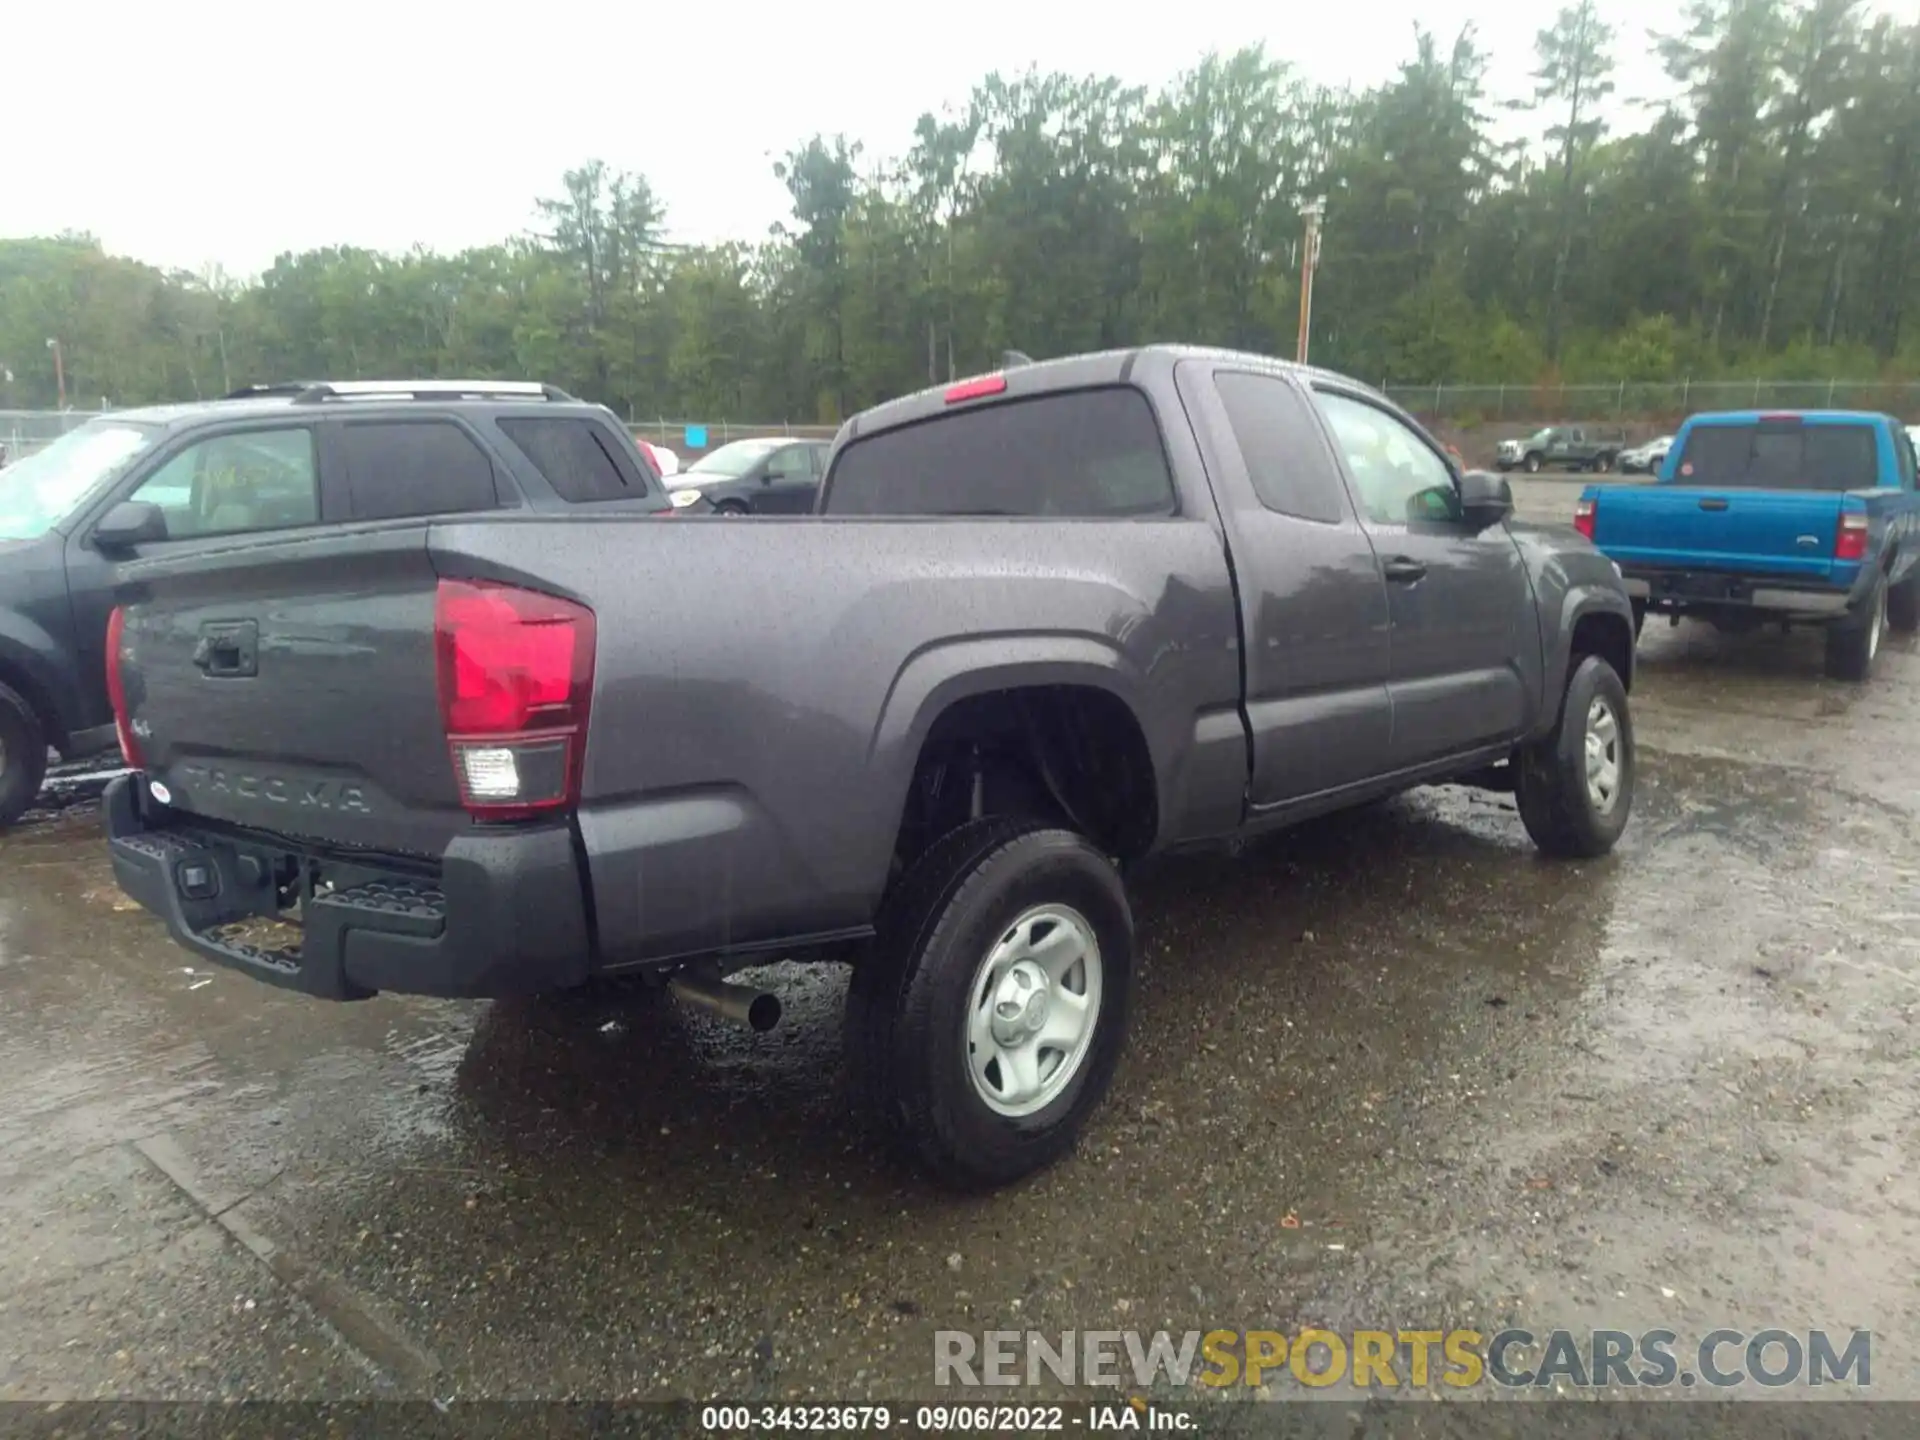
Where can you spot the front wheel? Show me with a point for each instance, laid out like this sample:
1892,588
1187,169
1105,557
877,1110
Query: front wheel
730,510
1575,787
23,756
1531,464
1639,616
985,1024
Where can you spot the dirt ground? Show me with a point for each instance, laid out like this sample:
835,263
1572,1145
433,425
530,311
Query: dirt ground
1392,1070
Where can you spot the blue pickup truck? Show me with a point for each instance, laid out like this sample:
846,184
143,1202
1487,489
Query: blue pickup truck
1801,518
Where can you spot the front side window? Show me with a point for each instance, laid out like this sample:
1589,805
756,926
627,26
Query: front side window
228,484
1397,477
792,463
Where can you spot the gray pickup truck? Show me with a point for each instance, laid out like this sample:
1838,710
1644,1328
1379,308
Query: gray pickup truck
1562,447
1042,624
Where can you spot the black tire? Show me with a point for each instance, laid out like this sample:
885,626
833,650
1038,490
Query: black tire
906,1023
1603,463
23,756
1639,617
1531,464
1854,643
1558,807
1903,605
729,510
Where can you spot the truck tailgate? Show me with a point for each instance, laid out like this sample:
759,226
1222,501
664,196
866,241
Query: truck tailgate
289,686
1785,533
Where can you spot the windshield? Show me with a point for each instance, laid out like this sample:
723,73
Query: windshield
731,461
37,493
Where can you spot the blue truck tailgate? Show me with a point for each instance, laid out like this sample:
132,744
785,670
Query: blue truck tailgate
1789,533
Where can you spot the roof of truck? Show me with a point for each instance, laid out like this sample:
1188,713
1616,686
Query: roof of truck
1068,372
1806,417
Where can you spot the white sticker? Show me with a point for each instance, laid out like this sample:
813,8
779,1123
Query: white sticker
160,792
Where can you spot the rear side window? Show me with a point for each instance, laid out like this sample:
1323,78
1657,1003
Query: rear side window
578,458
1783,455
1286,458
415,467
1086,454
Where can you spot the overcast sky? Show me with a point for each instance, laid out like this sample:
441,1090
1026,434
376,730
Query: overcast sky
188,132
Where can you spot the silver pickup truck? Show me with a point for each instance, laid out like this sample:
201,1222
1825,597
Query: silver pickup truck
1042,623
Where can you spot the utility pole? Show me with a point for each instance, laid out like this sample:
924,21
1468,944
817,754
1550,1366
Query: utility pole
1309,262
59,371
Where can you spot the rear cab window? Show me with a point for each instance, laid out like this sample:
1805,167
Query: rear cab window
1781,454
1093,454
583,463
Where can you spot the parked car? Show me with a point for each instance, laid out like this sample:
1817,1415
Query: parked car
1645,459
1799,518
760,477
1561,447
189,479
665,460
1048,622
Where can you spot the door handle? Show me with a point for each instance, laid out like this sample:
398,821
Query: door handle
1713,504
1402,571
228,650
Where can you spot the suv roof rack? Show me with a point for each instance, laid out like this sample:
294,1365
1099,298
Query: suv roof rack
318,392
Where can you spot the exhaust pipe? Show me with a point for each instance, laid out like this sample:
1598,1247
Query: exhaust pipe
757,1009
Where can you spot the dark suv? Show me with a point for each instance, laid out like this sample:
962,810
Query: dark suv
140,483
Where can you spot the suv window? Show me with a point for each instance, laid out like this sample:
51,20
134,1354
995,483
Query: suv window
577,457
1285,456
1090,454
414,467
1397,477
228,484
1780,455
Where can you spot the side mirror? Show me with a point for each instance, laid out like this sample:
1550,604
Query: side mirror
130,523
1485,499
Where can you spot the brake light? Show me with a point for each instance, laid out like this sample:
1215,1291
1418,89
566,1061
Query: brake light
975,389
515,675
117,692
1583,511
1850,540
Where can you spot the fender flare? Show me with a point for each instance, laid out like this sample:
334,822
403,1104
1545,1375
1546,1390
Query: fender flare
939,676
29,651
1580,601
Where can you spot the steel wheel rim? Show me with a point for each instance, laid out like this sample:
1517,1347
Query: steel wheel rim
1603,756
1032,1011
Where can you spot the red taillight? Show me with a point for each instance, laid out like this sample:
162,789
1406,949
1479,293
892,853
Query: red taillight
1850,540
117,692
975,389
515,672
1583,516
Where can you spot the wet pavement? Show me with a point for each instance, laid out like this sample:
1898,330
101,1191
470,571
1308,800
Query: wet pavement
1391,1070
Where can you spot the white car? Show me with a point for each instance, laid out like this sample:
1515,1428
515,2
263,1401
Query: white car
1647,458
665,461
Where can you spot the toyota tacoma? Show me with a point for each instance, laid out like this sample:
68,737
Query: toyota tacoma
1043,623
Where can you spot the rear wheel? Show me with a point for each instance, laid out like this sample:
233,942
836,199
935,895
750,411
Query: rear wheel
1854,644
984,1026
23,756
1575,787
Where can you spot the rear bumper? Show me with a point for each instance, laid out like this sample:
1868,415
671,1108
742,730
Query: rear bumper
1706,589
501,914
